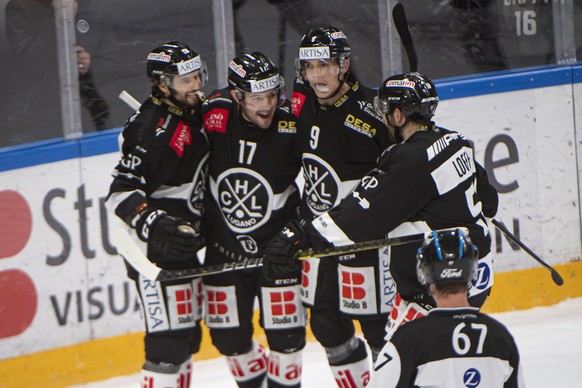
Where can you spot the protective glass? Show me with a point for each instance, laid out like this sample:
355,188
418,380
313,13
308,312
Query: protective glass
311,69
381,106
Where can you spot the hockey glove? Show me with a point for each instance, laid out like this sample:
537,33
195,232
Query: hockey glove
172,241
279,265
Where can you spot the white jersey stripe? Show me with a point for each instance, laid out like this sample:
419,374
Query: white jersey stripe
325,225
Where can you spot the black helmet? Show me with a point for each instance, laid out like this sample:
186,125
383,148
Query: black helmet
175,58
323,43
255,73
413,93
446,256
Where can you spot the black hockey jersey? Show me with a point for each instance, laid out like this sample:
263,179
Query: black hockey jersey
430,181
457,347
164,161
339,143
252,190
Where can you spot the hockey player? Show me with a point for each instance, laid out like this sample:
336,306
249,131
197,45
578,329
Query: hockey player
157,191
455,345
252,195
428,180
340,137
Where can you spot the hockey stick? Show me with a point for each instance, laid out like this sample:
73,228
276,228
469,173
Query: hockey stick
133,255
555,275
127,248
171,274
301,255
129,100
368,245
401,24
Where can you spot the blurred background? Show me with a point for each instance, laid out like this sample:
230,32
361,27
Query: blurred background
64,62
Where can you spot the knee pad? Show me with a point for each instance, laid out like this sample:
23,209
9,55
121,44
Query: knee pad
285,369
163,375
331,328
173,347
249,369
286,341
231,341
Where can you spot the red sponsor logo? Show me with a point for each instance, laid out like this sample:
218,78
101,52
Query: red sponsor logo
19,301
282,303
297,101
184,301
216,120
199,291
181,138
345,379
215,305
350,283
305,268
253,366
291,371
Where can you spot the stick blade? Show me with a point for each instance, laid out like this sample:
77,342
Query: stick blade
133,255
401,24
557,278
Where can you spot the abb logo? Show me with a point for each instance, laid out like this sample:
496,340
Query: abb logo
351,282
216,120
282,303
184,301
181,138
214,301
19,295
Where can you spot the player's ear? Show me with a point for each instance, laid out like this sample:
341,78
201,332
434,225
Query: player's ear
346,66
234,96
164,89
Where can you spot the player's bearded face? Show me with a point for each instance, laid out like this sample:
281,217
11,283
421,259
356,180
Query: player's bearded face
322,76
186,88
259,108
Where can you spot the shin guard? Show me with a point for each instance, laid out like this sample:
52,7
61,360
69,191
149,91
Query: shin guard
285,369
250,368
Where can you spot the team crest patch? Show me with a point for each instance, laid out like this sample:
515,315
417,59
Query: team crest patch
244,197
321,184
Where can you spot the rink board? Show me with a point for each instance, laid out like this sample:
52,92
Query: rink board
73,316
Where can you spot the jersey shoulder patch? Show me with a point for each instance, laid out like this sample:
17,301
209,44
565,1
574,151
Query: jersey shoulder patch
216,110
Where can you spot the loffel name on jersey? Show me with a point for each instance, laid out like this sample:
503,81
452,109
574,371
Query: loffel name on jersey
458,168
